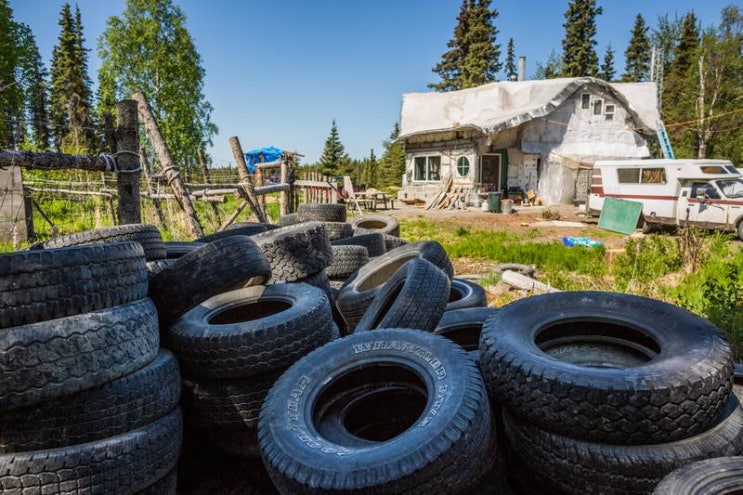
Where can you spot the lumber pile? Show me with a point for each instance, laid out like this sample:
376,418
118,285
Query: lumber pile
448,197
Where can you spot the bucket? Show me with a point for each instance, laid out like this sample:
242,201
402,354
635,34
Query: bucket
506,205
485,205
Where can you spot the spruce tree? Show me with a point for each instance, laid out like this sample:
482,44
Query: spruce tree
551,69
149,49
392,162
371,170
510,66
637,55
579,56
607,67
11,98
665,37
334,159
32,76
473,57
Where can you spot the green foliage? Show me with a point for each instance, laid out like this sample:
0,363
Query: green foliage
551,69
473,57
334,159
510,65
637,55
579,56
32,78
392,163
607,67
646,259
149,49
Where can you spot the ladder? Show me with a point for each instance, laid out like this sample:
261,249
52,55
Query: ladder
665,144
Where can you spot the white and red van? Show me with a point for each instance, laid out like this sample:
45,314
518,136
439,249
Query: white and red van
702,193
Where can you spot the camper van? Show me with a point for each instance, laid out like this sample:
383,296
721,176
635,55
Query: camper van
702,193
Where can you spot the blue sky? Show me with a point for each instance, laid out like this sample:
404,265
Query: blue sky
278,72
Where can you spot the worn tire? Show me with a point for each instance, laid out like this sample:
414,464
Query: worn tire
338,230
216,267
378,223
251,331
607,367
118,406
373,242
46,284
346,260
466,294
359,290
716,476
391,242
296,251
176,249
390,411
51,359
167,485
464,327
244,229
414,297
526,270
321,212
147,235
119,465
289,219
155,267
559,464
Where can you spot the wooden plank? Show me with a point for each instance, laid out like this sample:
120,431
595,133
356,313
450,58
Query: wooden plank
268,165
272,188
12,206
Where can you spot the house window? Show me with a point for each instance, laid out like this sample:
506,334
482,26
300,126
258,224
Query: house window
463,166
585,101
609,112
597,107
427,168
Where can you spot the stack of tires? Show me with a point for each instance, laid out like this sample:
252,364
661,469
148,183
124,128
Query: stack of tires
608,393
88,403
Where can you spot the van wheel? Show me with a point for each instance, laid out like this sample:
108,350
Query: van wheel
647,227
740,231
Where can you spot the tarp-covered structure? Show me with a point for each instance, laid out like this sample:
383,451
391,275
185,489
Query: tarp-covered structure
268,154
550,125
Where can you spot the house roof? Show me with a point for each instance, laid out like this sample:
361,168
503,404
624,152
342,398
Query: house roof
501,105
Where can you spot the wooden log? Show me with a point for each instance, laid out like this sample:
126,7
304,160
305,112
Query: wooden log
268,165
127,149
242,169
284,197
52,161
523,282
150,190
312,183
169,167
271,188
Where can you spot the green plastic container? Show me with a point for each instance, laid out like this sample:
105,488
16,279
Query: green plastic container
494,202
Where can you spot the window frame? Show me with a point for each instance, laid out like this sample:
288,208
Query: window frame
598,104
641,174
585,101
609,110
428,170
469,166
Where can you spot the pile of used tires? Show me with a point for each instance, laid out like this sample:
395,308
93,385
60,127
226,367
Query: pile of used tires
326,356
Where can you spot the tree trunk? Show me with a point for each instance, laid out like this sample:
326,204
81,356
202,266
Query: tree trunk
242,169
169,167
127,162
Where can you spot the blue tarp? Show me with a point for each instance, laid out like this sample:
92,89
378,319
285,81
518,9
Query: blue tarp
269,154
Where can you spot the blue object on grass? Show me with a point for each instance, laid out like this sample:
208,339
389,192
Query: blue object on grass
580,241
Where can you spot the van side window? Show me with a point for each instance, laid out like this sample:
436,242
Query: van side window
704,188
628,175
653,176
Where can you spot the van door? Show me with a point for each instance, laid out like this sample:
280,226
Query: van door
708,212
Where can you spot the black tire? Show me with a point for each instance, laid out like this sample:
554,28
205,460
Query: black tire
338,230
155,267
526,270
607,367
738,381
717,476
321,212
251,331
464,327
216,267
233,402
147,235
46,284
391,242
236,441
289,219
51,359
466,294
373,242
166,485
296,251
245,229
121,405
328,424
378,223
359,290
346,260
176,249
414,297
119,465
559,464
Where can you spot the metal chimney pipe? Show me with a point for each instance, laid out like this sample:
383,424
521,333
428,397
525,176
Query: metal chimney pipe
522,68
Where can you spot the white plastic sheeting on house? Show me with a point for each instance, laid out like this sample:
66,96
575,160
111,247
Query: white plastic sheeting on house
502,105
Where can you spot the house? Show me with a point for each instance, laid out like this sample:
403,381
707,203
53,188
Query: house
516,136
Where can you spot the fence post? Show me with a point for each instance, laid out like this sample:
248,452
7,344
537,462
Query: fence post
150,190
284,195
127,146
242,169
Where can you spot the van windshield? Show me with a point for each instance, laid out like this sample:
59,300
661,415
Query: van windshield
731,188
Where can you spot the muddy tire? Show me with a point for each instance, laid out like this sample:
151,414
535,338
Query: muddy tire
51,359
119,465
378,223
612,469
121,405
216,267
147,235
338,230
321,212
395,437
607,367
373,242
414,297
45,284
251,331
346,261
296,251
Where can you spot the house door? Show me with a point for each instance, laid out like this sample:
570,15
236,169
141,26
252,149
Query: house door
490,172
